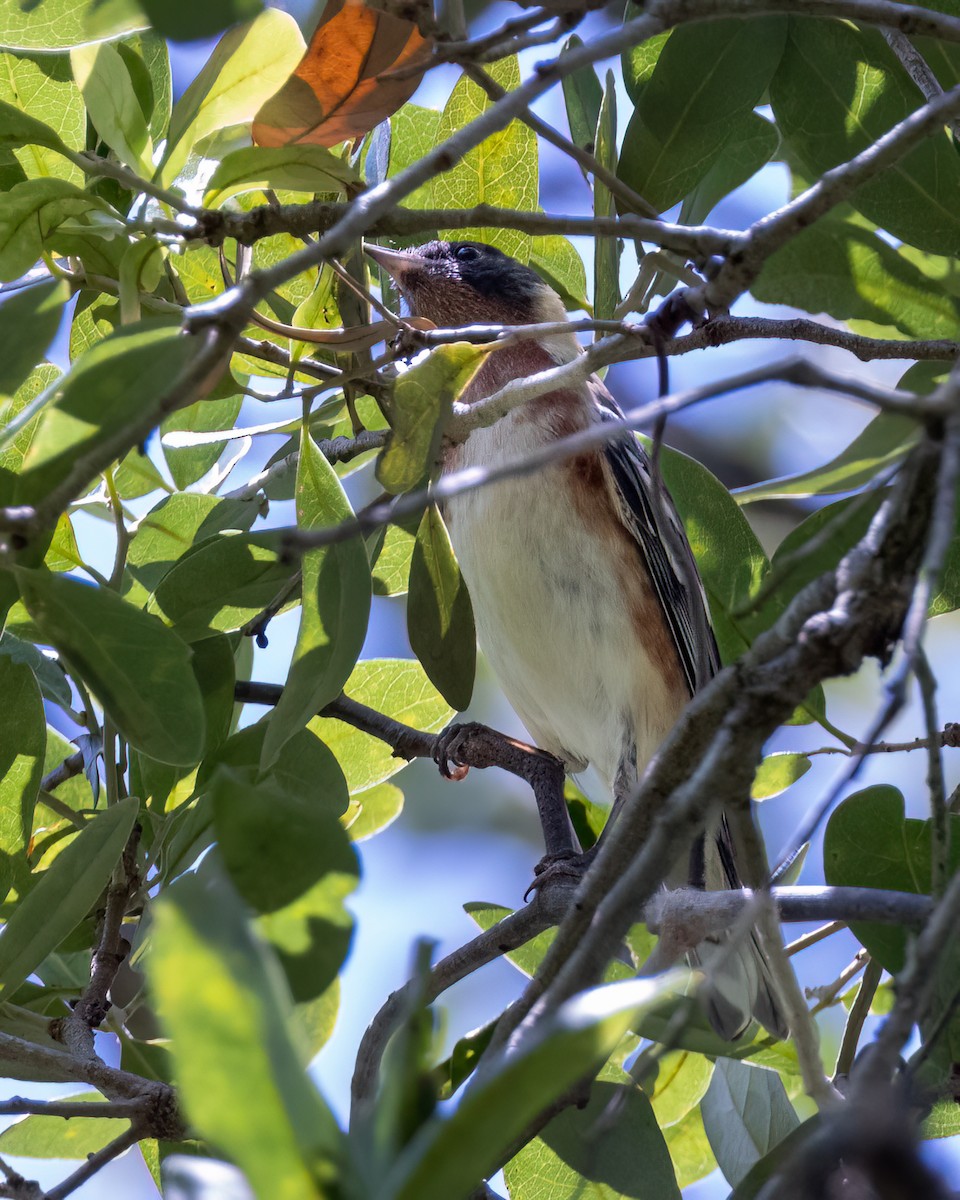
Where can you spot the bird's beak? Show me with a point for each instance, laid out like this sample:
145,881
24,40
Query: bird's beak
396,263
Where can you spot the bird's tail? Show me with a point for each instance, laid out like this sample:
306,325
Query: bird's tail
739,985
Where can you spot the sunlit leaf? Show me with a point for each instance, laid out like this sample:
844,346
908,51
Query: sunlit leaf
112,104
23,738
305,168
42,88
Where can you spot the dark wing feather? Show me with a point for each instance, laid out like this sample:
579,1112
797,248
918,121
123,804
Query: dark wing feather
649,514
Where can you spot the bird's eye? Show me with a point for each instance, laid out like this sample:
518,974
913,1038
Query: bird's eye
466,254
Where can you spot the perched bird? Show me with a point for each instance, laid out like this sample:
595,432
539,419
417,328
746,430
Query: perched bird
586,597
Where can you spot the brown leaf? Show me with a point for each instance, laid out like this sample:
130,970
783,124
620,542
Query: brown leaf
354,74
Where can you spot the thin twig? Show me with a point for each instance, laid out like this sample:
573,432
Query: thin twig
859,1011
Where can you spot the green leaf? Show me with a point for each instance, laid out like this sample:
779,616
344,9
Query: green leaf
172,530
47,671
556,259
219,411
399,689
29,320
113,105
413,131
227,581
582,95
751,1186
58,1137
31,212
776,773
440,615
885,441
137,668
450,1155
746,1114
690,93
249,64
51,123
752,142
393,550
335,608
222,999
502,170
109,389
292,862
64,894
23,740
682,1079
301,168
840,267
59,24
422,399
689,1149
611,1149
606,264
148,62
837,90
186,21
371,811
869,843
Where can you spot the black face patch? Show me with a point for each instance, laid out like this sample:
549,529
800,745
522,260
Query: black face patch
484,268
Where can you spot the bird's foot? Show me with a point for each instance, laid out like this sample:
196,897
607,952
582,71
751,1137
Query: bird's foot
563,870
452,742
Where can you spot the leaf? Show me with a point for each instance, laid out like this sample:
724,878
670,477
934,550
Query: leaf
30,213
174,528
440,615
751,1186
359,68
391,566
371,811
611,1149
746,1114
41,87
422,400
289,858
606,265
837,90
222,999
399,689
689,1149
227,581
885,441
689,93
840,267
414,130
556,259
751,143
335,608
869,843
29,320
503,170
682,1080
108,389
249,64
138,669
59,1137
112,104
218,411
187,21
449,1155
59,24
46,669
303,168
582,95
23,739
776,773
64,894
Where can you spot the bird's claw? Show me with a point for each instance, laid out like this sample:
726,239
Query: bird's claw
445,752
552,868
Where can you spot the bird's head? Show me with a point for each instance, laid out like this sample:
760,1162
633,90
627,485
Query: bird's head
469,283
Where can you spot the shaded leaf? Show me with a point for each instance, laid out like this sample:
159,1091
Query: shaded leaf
746,1114
113,105
335,606
138,669
439,613
582,95
837,90
30,213
606,263
187,21
29,319
752,142
357,70
23,739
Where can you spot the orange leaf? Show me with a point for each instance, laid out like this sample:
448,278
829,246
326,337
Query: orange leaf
347,81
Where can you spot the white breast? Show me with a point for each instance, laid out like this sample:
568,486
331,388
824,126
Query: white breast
551,612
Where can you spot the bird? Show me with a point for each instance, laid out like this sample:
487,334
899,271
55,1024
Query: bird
586,596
